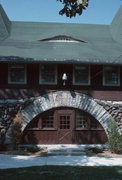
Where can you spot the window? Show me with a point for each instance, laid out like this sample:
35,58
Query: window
94,124
81,75
81,120
111,76
85,121
64,122
47,122
17,74
48,74
62,38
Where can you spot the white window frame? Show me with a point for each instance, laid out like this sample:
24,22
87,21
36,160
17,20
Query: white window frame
47,83
104,84
9,74
89,80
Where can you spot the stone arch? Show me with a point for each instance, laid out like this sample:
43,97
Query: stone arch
66,99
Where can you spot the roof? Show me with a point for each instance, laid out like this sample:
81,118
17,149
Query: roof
22,42
5,24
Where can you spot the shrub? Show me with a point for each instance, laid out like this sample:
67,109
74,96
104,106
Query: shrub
33,148
114,138
96,149
16,132
2,135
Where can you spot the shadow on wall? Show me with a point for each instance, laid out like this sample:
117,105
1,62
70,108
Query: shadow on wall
29,138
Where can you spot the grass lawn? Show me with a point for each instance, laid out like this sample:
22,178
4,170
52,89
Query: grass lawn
62,172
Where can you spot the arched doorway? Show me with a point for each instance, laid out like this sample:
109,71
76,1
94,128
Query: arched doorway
64,125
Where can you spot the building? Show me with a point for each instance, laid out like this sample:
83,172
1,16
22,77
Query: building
64,79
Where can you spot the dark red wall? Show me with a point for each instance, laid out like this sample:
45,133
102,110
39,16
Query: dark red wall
32,88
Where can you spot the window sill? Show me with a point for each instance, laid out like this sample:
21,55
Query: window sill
81,84
17,83
96,129
81,129
33,129
47,83
41,129
85,129
113,85
48,129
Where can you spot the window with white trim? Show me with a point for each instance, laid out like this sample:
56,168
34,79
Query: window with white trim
48,74
17,74
111,76
81,75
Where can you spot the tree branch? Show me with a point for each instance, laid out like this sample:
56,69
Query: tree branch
73,7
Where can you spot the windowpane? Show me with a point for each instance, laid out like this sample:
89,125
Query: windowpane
111,75
48,74
94,124
47,122
81,120
17,74
81,74
64,122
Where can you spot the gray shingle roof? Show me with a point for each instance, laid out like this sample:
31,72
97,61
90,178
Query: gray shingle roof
23,43
5,24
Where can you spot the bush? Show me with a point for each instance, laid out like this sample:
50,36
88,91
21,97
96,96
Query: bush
114,138
96,149
33,148
16,133
2,135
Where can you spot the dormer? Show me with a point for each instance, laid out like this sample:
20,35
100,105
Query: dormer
5,24
62,38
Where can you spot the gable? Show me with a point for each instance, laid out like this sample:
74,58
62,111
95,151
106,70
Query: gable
116,26
5,24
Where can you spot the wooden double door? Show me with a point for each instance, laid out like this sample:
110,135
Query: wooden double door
64,126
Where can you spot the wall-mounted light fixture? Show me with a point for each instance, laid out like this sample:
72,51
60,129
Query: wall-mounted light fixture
64,78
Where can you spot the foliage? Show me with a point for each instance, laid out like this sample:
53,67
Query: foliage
33,148
16,133
2,135
62,172
96,149
114,138
73,7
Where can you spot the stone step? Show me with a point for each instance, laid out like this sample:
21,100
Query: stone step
72,152
68,149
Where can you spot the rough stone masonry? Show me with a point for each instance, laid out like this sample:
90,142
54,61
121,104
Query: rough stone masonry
29,108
